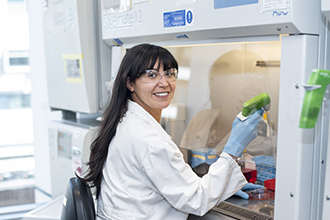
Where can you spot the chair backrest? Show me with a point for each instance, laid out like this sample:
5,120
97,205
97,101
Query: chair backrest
78,203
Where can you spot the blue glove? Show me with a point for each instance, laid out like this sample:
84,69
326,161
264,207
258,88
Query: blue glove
248,187
242,133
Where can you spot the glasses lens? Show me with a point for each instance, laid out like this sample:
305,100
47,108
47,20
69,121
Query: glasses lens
153,76
171,75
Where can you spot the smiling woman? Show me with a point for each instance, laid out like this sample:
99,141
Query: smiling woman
152,91
138,171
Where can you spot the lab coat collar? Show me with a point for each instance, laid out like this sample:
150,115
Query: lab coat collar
137,110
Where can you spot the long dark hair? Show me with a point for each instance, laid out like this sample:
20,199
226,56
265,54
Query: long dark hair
137,59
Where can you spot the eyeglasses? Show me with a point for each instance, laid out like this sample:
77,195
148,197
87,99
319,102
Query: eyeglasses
153,76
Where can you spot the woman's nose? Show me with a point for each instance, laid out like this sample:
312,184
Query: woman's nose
163,81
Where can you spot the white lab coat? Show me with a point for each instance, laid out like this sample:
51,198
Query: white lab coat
146,177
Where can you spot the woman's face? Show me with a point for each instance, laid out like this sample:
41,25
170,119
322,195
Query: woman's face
153,97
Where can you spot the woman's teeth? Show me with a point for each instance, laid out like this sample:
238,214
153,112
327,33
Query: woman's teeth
161,94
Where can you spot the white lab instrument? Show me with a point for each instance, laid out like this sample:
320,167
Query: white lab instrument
78,72
279,41
69,146
76,57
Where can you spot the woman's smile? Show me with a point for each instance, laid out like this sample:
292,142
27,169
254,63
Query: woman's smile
161,94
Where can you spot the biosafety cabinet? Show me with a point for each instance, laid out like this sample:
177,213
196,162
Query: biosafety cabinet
230,51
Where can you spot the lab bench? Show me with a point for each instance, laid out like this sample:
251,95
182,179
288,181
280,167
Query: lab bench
238,208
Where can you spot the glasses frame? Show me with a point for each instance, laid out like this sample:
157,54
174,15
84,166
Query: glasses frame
145,79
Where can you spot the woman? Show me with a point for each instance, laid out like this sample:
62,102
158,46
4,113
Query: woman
138,171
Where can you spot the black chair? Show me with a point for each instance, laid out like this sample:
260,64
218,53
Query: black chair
78,203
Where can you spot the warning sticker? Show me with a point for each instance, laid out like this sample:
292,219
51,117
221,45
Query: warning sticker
271,5
177,18
73,67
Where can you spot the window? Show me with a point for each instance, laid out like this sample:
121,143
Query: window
16,61
16,142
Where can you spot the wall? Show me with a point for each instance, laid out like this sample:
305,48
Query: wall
39,101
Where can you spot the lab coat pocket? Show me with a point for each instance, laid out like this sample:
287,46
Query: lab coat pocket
117,214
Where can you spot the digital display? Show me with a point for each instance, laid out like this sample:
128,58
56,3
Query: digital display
65,145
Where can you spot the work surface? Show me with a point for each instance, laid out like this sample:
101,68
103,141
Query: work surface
237,208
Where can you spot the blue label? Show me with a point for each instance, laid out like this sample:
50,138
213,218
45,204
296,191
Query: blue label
279,13
232,3
175,18
181,36
189,17
117,41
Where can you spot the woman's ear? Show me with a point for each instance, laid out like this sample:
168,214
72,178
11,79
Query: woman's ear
129,85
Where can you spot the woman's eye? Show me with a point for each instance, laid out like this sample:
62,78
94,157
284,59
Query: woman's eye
169,74
151,74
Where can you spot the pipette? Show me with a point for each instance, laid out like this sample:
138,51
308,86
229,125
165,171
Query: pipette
260,101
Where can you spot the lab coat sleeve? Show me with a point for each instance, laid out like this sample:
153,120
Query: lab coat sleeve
181,187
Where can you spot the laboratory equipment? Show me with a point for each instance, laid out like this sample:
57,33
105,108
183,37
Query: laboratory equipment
78,75
265,166
69,145
264,127
242,134
77,67
316,99
230,52
250,174
260,194
315,89
251,106
270,184
217,46
248,167
247,188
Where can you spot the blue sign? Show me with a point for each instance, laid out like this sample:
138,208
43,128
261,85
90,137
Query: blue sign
232,3
116,41
175,18
189,17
